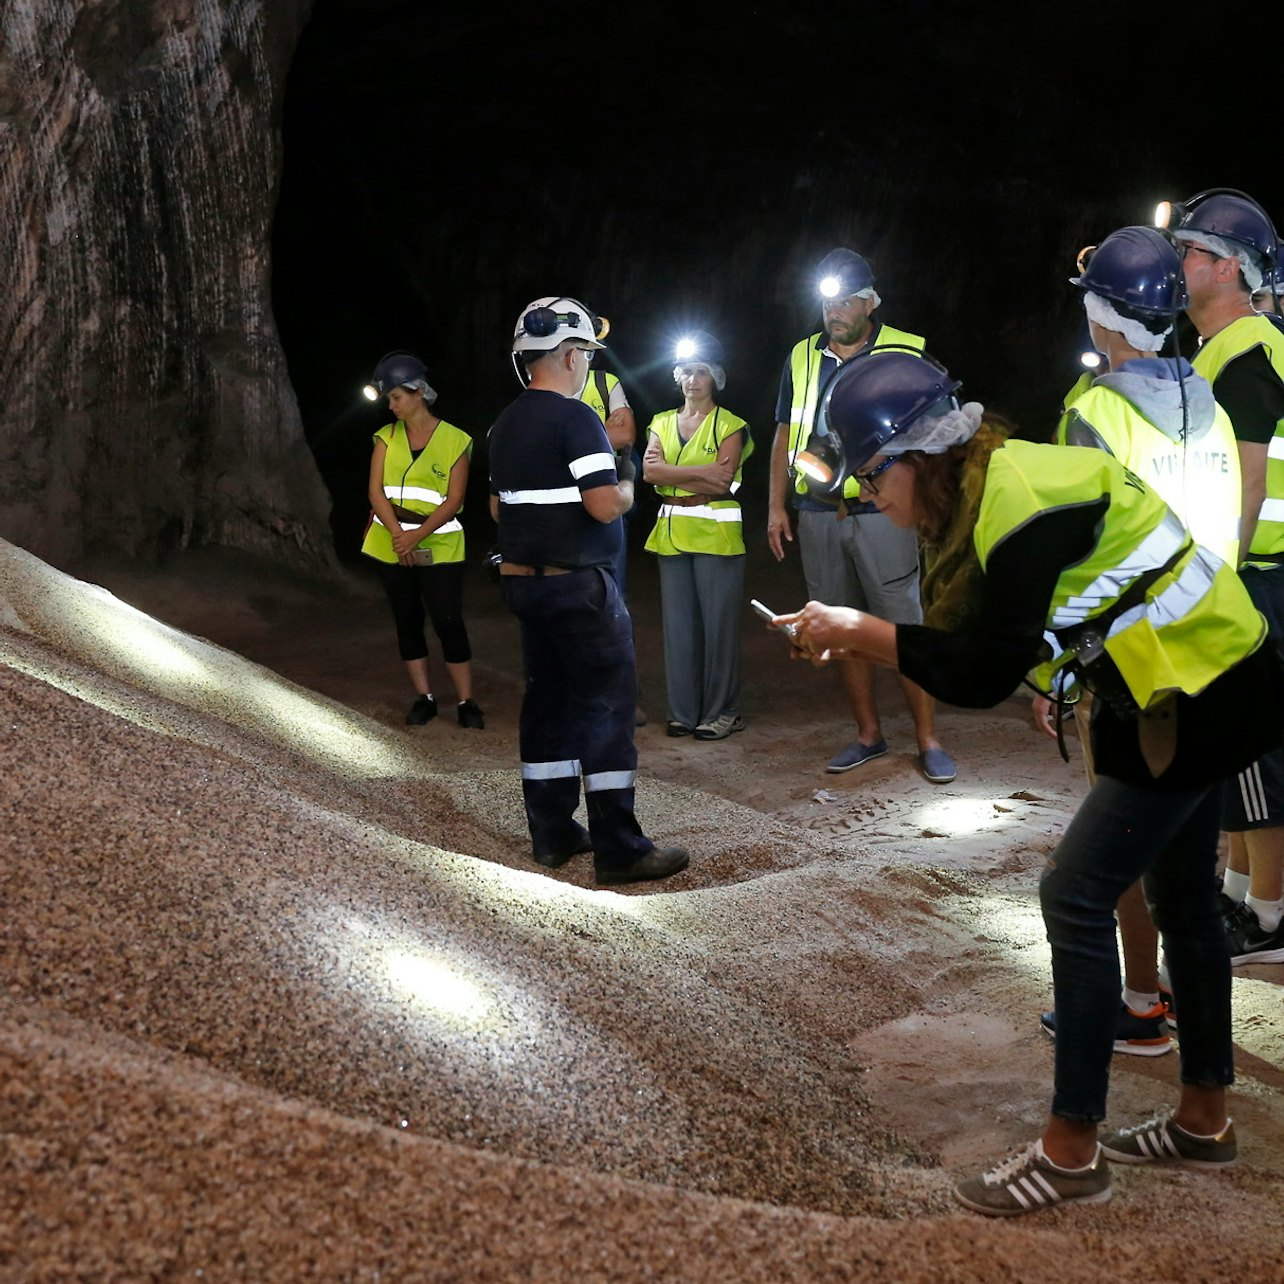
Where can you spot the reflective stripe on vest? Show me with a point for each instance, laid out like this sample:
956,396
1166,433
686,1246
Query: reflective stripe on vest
1241,336
1195,620
1154,550
705,512
712,527
446,528
804,374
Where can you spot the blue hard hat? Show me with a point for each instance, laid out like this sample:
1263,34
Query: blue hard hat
397,368
1138,268
1240,220
842,273
699,348
877,395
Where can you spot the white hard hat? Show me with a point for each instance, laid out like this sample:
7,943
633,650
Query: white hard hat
547,322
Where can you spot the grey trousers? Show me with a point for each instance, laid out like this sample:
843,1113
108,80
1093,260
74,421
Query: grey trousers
701,601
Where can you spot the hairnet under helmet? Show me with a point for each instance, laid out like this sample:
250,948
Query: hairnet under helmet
399,370
1232,226
879,401
1138,268
700,349
1239,220
842,273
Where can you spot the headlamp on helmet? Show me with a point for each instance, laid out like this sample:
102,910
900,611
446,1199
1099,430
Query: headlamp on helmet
394,370
548,322
873,399
700,349
1136,268
1224,212
842,273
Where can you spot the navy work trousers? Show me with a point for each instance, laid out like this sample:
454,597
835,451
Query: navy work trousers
577,713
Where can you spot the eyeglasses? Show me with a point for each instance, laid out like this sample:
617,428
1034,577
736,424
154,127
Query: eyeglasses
1187,248
867,479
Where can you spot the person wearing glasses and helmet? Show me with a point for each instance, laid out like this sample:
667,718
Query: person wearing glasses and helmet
558,493
1229,244
418,478
1067,543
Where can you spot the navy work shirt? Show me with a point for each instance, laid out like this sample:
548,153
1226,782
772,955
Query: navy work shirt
545,451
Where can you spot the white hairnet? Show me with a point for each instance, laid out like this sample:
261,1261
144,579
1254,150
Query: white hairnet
1103,312
1249,263
422,385
934,435
718,373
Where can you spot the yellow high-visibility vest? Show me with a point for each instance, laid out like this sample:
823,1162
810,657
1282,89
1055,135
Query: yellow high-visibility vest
713,527
1193,622
804,373
1243,335
1199,481
420,485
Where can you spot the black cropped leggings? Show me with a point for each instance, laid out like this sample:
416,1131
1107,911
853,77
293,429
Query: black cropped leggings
441,589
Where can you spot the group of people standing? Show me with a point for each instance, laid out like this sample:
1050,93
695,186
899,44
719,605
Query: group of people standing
1138,560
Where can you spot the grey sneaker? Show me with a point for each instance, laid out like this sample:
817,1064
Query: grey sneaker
1030,1181
1160,1141
720,728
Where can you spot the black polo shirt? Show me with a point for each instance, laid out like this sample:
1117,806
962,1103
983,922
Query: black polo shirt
545,451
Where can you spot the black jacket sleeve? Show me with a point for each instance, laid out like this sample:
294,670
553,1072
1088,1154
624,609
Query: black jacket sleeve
984,661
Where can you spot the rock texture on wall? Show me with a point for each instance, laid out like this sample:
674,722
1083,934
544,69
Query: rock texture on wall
144,402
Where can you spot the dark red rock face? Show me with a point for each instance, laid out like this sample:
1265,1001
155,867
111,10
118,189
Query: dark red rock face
144,402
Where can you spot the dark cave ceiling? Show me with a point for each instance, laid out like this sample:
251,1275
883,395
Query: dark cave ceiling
688,166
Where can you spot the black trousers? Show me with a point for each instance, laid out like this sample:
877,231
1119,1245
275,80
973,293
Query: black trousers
577,714
439,588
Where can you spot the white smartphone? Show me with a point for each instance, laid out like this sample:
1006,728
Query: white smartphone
789,630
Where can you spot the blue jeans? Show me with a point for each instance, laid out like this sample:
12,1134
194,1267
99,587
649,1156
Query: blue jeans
1122,832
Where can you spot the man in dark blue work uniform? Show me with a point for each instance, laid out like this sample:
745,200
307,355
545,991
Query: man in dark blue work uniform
558,492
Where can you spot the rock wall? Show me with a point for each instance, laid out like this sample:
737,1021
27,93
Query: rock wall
144,402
